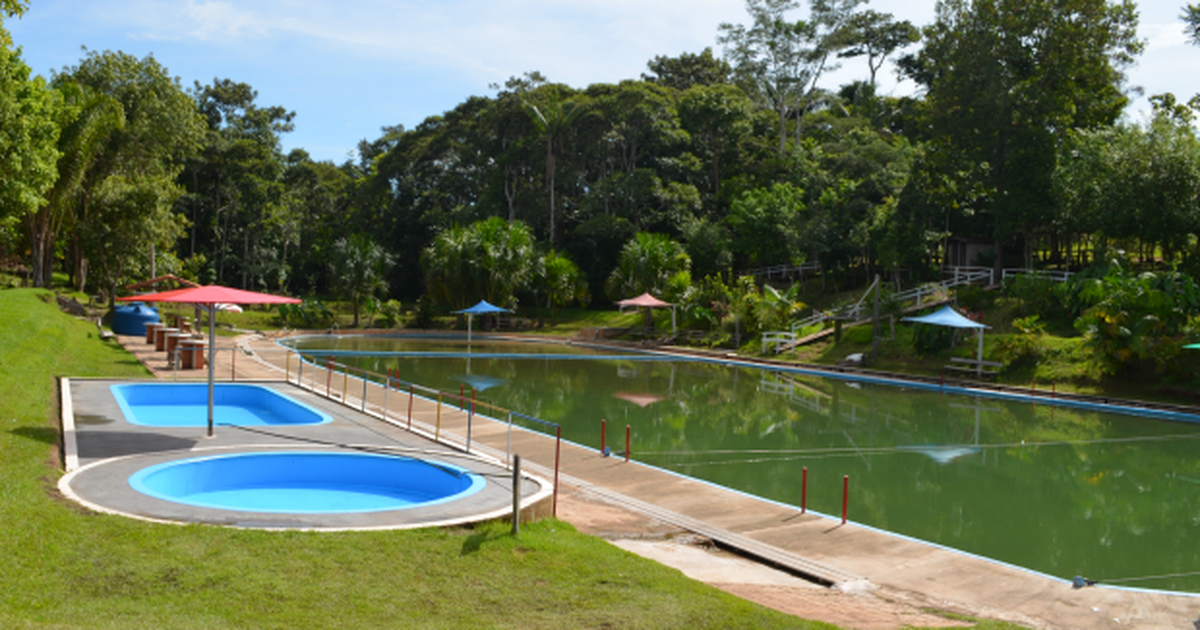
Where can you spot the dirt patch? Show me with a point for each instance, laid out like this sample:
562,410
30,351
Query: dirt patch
697,558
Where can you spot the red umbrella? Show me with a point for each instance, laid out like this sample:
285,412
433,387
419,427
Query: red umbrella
210,296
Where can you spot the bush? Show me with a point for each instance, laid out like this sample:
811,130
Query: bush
973,298
307,314
391,312
1024,346
1035,294
424,313
930,339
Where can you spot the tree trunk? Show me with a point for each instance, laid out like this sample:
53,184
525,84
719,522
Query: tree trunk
782,129
550,175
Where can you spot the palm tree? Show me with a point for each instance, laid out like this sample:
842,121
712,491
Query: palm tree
359,267
506,256
552,124
650,263
489,259
88,118
562,282
450,276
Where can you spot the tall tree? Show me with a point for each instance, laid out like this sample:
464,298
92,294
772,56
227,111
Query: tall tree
28,137
1191,17
552,120
781,62
1007,79
161,130
688,70
86,120
14,7
877,35
235,183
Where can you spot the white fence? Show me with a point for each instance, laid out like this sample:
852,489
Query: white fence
784,271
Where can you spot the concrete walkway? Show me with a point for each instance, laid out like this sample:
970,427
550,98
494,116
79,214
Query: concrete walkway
848,556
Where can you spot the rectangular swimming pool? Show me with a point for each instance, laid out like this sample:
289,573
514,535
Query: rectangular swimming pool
186,405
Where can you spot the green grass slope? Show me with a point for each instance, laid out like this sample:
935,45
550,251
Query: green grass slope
63,567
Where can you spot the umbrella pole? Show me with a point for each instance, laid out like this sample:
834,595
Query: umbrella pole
212,349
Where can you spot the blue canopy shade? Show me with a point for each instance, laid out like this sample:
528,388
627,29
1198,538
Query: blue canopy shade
483,307
945,316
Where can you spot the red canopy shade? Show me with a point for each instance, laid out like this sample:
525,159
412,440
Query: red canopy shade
211,294
646,300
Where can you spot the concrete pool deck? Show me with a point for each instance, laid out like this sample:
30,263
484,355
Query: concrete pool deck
850,556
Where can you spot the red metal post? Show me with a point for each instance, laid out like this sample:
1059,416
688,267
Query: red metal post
557,453
460,396
845,496
603,426
804,490
627,449
1054,390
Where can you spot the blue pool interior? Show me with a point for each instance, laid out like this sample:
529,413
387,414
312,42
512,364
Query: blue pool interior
305,482
186,405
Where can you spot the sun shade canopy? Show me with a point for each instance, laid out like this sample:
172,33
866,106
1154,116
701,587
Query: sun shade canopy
483,307
945,316
645,300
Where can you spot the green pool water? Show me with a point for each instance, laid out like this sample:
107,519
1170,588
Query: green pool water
1061,491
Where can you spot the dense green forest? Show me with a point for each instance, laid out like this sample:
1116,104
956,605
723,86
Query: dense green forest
709,164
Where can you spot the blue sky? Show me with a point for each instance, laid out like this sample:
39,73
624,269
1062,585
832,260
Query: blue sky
347,69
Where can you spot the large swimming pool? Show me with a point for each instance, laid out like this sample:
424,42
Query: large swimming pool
1063,491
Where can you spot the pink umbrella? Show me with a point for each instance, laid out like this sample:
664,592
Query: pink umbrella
210,296
648,302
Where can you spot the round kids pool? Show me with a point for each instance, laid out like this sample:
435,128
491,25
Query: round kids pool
306,482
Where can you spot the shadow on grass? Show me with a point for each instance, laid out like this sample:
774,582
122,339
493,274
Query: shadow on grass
475,542
45,435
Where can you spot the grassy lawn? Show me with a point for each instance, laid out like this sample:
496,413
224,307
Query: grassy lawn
64,567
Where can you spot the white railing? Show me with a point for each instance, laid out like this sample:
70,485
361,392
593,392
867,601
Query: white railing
857,313
784,271
957,272
775,339
1057,276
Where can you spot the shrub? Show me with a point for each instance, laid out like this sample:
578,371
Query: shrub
307,314
1025,345
929,338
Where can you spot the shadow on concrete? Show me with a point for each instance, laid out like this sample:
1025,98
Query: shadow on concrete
121,443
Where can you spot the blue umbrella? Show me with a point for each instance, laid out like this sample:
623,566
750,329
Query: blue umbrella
481,308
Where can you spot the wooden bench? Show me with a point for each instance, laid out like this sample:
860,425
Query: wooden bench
960,365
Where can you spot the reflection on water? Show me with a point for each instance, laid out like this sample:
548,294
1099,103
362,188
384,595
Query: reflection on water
1062,491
